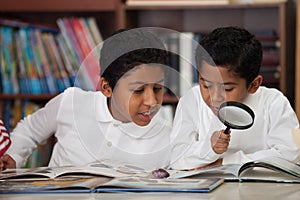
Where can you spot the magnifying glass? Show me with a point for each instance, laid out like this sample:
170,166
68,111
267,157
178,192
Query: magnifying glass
235,115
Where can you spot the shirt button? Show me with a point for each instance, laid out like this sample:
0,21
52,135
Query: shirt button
115,125
109,144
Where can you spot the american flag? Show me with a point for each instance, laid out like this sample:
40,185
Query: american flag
4,139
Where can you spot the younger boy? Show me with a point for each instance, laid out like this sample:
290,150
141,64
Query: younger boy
228,61
119,123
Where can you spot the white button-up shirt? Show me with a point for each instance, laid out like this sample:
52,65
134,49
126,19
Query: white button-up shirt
86,132
270,134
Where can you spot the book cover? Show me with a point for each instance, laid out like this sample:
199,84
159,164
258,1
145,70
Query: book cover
106,184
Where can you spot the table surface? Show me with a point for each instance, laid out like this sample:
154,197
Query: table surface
229,190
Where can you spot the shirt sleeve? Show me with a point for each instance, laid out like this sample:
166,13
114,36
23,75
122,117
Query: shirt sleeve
281,119
189,148
34,129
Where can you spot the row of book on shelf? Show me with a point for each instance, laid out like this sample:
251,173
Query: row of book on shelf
184,61
44,60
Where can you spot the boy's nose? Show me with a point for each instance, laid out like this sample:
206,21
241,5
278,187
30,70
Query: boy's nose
150,98
217,95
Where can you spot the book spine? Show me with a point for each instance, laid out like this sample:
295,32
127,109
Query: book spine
23,79
6,71
52,61
29,63
47,73
37,61
95,32
60,66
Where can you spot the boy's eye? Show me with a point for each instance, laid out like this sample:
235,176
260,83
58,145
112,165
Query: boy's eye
157,88
207,86
138,90
228,89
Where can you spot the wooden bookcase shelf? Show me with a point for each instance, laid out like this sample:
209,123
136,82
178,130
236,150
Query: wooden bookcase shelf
39,97
59,5
297,73
272,16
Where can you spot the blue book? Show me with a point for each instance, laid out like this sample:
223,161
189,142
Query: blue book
7,62
110,185
30,67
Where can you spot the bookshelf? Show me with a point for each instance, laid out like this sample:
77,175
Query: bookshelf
114,14
204,18
107,13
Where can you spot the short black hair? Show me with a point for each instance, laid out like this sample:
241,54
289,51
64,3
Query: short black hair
126,49
234,48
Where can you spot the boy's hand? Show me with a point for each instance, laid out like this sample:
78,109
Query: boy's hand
7,162
220,141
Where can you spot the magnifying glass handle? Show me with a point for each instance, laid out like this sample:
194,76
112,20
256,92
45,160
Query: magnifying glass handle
227,130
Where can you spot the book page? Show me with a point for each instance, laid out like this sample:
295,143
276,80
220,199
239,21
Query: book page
92,169
264,174
276,164
224,171
27,173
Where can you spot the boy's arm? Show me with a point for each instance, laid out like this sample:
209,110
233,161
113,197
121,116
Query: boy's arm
33,130
278,139
189,148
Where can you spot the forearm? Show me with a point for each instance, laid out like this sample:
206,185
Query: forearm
25,139
33,130
193,155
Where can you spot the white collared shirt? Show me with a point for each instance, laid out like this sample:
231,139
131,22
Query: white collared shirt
86,132
270,134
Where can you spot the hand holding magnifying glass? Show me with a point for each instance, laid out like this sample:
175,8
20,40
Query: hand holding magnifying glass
235,115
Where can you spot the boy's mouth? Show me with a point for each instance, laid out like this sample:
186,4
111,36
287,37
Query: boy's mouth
146,116
214,109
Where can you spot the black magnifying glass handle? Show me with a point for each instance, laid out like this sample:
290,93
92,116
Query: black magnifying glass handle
227,130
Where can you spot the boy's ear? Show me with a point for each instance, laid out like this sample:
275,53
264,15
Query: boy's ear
255,84
105,87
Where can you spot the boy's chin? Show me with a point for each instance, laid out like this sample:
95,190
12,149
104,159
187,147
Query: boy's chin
214,110
142,123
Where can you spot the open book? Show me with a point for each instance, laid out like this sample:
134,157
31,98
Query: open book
268,169
105,184
93,169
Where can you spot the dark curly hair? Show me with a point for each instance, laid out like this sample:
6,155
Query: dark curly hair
126,49
234,48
